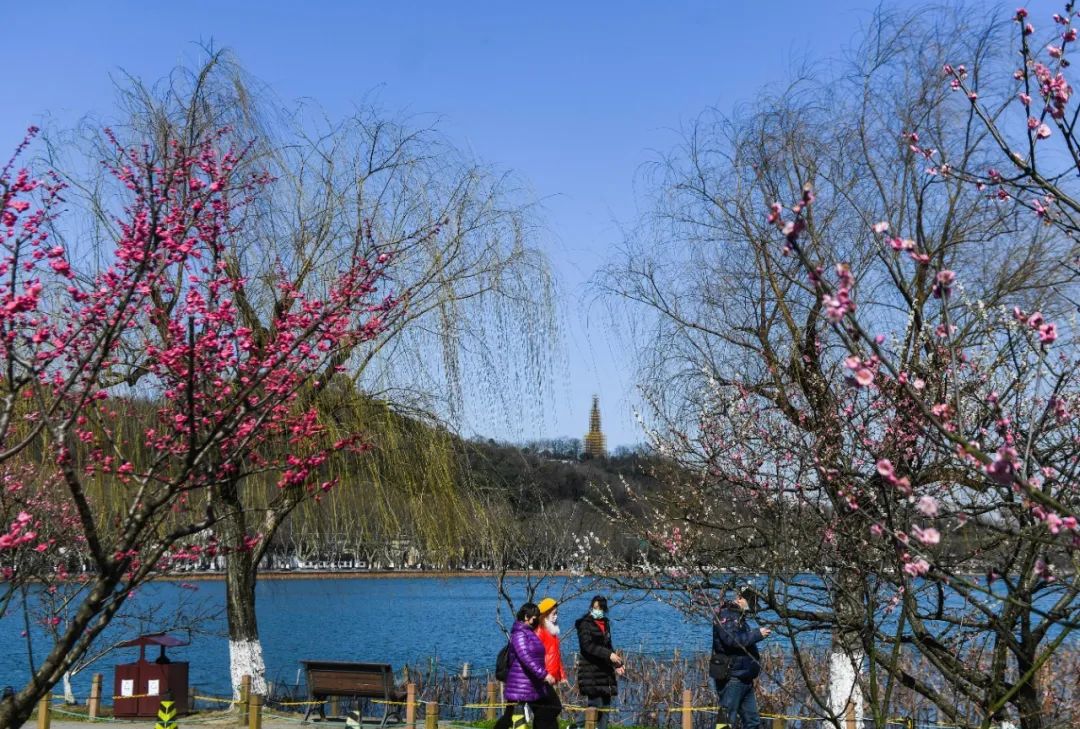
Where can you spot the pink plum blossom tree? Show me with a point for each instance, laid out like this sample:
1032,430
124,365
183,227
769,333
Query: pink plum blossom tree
475,302
863,349
138,378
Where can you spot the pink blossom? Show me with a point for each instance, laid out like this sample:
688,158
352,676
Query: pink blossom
1043,132
881,227
943,283
1047,333
864,377
928,505
1054,51
1002,468
917,568
1044,570
929,536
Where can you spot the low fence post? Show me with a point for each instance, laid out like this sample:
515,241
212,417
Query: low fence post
850,713
245,697
335,706
166,714
489,712
777,722
590,718
410,705
687,703
44,712
431,715
255,712
93,704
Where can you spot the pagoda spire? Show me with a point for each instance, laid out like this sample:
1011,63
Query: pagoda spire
595,443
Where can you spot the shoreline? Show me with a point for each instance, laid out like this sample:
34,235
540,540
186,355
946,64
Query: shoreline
356,574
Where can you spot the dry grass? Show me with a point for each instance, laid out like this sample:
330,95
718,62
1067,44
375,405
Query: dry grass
653,688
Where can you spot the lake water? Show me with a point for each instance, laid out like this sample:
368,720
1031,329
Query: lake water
396,620
399,620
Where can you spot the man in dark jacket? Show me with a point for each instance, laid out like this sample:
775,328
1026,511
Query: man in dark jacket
734,638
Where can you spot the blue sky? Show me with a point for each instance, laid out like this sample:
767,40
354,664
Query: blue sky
574,97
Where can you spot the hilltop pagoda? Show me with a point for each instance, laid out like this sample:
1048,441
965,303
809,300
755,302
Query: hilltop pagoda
595,443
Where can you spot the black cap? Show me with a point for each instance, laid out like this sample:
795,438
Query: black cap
750,594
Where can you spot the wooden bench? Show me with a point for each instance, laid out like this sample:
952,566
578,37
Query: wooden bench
362,680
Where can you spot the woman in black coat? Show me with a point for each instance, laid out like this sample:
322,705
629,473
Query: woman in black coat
598,663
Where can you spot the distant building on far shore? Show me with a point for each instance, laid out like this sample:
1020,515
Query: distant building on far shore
595,443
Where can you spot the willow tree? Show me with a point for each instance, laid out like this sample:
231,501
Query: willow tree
475,319
407,488
827,460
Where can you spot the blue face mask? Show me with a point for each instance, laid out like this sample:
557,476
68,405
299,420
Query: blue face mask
597,613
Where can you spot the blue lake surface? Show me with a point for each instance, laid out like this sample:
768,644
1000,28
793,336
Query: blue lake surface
396,620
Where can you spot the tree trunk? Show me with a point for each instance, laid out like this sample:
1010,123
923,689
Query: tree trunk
245,648
241,574
846,656
1027,697
69,692
844,688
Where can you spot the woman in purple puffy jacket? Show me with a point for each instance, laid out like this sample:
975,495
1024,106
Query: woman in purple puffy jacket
528,679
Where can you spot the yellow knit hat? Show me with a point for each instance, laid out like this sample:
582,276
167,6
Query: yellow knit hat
547,605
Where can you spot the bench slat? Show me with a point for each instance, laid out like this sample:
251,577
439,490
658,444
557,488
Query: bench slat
339,678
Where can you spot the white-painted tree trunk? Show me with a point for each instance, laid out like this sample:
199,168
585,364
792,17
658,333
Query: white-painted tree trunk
844,685
69,692
246,659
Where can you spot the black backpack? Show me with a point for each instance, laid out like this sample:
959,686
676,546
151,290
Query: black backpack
720,667
502,664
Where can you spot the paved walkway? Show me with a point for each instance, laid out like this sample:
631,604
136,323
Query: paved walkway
186,723
212,721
